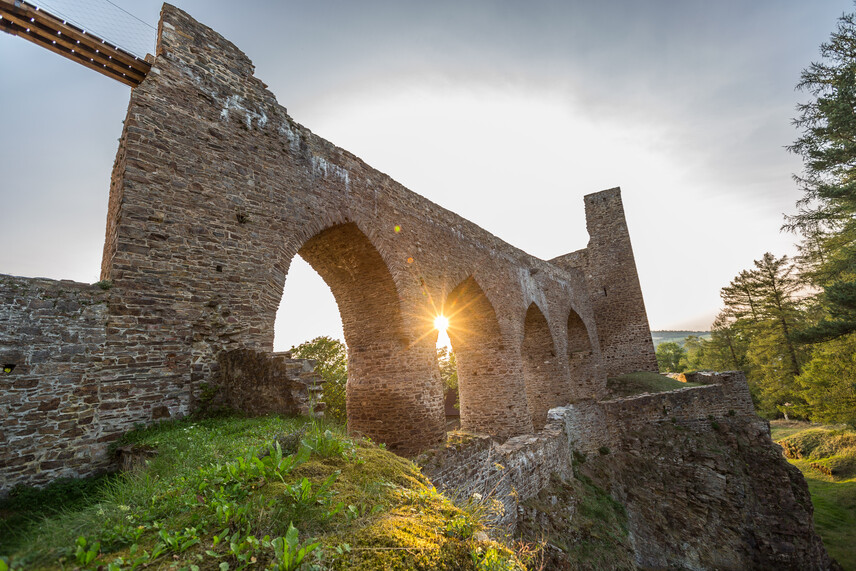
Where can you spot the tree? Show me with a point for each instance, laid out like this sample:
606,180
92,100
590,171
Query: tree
755,333
448,368
826,215
828,381
694,348
726,349
669,357
331,358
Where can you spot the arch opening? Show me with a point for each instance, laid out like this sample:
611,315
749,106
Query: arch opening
580,359
540,367
384,388
491,393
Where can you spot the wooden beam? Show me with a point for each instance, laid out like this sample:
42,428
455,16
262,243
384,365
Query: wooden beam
48,31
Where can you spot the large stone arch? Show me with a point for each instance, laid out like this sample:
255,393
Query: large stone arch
492,390
581,360
391,394
541,370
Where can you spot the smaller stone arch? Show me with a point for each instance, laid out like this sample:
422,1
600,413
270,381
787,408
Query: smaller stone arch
541,371
490,383
581,364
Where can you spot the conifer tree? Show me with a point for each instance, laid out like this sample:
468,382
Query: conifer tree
826,215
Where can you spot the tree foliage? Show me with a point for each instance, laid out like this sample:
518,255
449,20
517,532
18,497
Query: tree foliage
754,333
828,382
826,216
670,357
448,368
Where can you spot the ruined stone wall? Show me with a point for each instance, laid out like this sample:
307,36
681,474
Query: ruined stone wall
521,467
72,382
610,268
508,473
214,190
610,423
51,334
259,383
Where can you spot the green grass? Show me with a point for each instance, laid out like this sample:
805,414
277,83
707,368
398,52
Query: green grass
643,382
242,492
780,429
826,456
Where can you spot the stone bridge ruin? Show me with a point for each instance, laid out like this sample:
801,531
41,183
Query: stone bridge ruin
214,190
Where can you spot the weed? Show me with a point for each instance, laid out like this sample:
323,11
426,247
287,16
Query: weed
461,527
492,560
86,552
288,551
304,500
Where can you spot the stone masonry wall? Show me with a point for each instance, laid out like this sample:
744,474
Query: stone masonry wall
259,383
214,190
71,382
610,268
51,334
521,467
609,423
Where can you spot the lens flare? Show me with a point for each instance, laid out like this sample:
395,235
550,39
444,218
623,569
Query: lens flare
441,323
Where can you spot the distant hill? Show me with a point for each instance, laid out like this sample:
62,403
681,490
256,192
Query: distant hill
676,336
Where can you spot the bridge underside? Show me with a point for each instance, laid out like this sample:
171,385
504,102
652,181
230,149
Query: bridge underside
57,35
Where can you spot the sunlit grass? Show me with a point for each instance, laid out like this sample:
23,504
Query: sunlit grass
826,449
224,491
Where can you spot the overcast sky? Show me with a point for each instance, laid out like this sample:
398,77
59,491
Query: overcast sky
504,112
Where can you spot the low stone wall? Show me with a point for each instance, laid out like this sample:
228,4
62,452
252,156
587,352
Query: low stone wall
510,472
52,335
268,383
521,467
75,376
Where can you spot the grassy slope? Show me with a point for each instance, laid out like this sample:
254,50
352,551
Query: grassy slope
213,493
643,382
833,497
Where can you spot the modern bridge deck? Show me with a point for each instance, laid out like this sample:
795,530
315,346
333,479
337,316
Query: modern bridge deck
42,28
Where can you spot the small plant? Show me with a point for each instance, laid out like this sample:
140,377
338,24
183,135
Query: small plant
461,527
355,512
179,541
304,499
327,444
104,284
85,553
492,560
288,551
603,450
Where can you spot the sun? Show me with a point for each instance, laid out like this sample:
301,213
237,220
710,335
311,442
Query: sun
441,323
